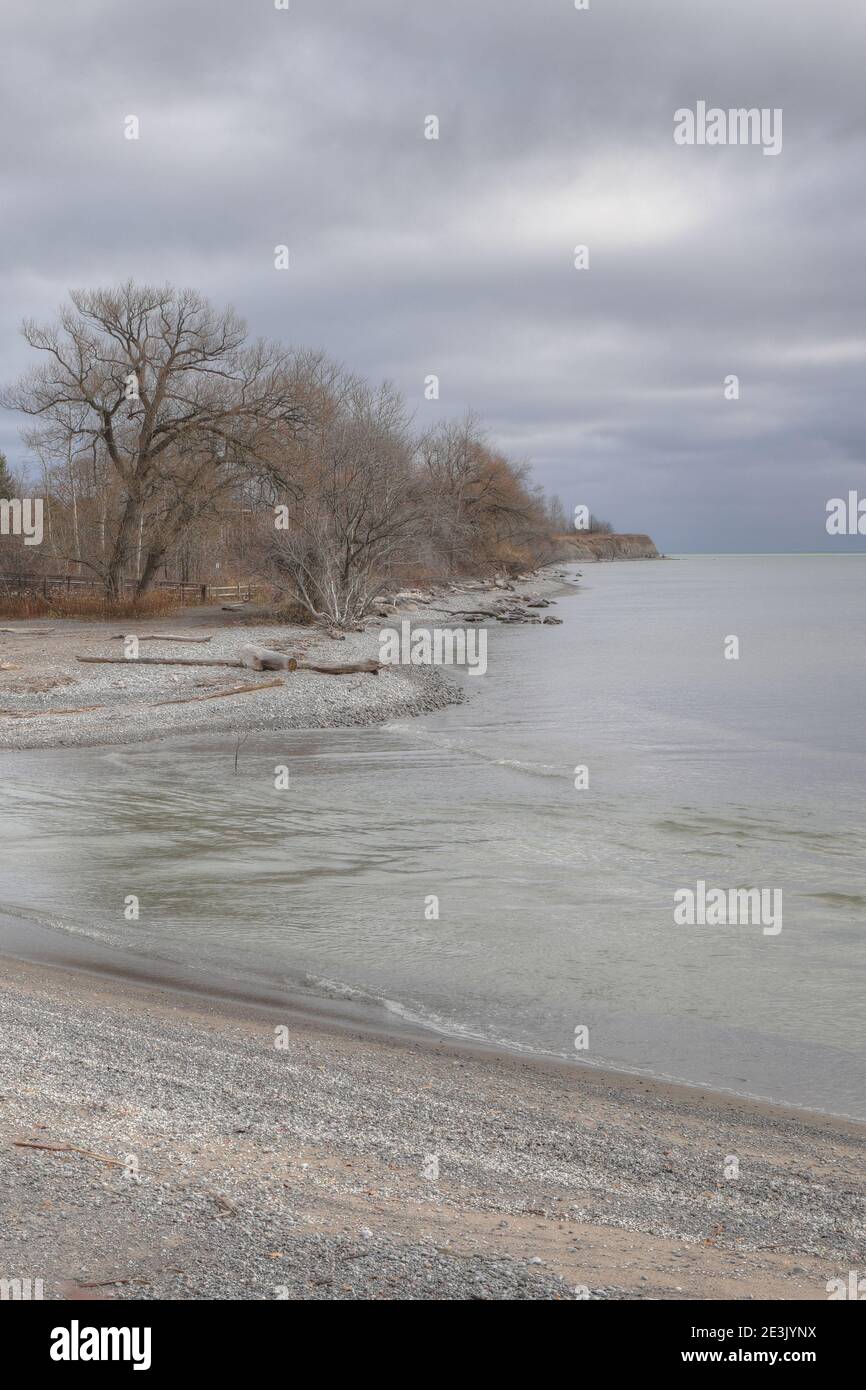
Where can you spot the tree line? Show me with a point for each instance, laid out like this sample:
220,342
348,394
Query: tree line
167,443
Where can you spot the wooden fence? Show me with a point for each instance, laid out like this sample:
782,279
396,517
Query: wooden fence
71,584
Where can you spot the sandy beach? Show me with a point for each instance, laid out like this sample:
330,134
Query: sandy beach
158,1144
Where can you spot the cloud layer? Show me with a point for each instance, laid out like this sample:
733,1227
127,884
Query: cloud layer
260,127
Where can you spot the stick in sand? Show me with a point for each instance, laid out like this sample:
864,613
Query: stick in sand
46,713
218,694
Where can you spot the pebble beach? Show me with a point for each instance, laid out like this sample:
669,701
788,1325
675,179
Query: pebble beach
158,1144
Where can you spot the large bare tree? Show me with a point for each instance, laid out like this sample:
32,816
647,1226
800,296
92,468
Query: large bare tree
170,392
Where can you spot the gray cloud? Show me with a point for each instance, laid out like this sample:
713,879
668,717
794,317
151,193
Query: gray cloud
409,256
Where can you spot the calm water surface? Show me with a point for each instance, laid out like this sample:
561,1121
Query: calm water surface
556,905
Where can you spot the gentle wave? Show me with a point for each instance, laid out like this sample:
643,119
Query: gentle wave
472,751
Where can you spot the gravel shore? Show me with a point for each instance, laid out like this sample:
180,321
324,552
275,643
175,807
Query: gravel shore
108,704
158,1144
127,698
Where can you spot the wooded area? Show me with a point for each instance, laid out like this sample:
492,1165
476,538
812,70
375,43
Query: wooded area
169,447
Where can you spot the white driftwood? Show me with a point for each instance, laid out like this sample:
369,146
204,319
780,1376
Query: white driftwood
263,659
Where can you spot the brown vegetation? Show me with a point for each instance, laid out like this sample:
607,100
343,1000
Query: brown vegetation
167,446
93,604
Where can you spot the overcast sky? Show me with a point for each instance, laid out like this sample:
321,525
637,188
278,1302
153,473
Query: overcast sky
410,257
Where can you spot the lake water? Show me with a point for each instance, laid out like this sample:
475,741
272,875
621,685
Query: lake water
555,903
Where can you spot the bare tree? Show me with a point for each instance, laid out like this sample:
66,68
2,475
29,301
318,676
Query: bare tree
164,439
357,506
480,506
168,388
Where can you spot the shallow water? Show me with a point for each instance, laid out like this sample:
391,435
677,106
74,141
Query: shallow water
555,904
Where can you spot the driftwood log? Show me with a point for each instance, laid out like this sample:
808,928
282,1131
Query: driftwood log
158,661
161,637
263,659
252,658
349,668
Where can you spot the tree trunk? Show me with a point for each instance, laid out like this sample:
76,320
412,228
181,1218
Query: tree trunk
121,549
152,563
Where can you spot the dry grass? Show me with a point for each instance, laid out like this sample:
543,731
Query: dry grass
415,576
89,605
285,613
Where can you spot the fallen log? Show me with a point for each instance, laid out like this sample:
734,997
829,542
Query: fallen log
161,637
218,694
351,668
27,631
263,659
253,658
159,661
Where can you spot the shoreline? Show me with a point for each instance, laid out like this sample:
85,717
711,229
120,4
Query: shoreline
307,1168
49,700
35,945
